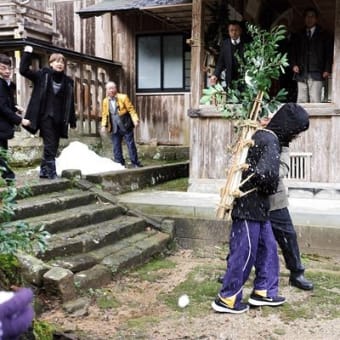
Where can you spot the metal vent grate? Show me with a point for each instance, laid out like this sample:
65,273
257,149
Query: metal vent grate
300,166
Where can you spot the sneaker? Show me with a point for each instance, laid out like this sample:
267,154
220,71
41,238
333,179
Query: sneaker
221,307
258,300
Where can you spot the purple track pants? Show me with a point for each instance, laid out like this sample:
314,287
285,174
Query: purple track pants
252,243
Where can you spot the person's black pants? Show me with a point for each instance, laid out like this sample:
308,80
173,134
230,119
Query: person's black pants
6,172
286,237
51,136
117,139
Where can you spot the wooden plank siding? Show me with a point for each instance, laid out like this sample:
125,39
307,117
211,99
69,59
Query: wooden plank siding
163,117
211,135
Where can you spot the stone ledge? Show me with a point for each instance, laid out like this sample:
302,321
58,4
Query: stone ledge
118,182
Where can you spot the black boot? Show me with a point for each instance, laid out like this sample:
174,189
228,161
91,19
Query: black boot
298,280
290,251
51,170
43,173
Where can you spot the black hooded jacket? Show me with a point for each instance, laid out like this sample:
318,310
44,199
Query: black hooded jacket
264,160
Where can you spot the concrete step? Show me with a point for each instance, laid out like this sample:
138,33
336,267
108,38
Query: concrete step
56,201
44,186
127,253
76,217
82,240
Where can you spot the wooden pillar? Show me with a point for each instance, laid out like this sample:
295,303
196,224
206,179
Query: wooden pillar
336,61
196,42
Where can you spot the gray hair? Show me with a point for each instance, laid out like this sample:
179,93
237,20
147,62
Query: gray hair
110,83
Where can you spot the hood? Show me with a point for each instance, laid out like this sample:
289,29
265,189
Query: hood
290,120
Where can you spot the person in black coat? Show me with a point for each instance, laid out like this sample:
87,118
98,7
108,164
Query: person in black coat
227,60
51,107
311,59
9,115
252,242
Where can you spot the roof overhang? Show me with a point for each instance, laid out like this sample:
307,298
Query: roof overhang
116,6
175,13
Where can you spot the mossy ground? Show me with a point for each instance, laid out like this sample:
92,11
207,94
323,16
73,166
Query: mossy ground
143,303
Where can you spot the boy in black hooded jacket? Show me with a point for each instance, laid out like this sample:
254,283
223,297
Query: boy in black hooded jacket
251,238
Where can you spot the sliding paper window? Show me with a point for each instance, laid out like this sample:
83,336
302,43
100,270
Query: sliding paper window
160,63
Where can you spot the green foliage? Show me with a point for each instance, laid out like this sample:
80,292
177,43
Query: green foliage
43,330
261,63
15,235
9,271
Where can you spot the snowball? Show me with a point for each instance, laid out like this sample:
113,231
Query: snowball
183,301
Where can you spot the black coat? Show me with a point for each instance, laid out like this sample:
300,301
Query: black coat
42,80
313,56
8,116
264,161
227,61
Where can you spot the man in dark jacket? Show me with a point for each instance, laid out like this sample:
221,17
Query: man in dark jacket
227,60
9,115
51,107
251,238
311,59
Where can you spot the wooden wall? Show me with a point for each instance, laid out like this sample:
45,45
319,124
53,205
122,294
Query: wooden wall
211,135
163,116
163,119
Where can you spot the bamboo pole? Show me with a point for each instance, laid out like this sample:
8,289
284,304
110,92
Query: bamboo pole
239,154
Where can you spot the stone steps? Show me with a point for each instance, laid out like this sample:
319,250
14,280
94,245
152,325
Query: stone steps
84,239
125,254
45,204
92,237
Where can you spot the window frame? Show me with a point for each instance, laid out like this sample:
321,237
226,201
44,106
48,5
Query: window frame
162,89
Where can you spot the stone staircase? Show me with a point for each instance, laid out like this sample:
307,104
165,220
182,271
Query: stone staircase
92,237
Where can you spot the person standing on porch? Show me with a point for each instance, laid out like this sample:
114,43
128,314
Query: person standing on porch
227,60
51,106
120,118
311,59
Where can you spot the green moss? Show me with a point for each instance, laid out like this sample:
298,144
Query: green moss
143,322
322,303
43,330
200,285
180,184
106,301
151,271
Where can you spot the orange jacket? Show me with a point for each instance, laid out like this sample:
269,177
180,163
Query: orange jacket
124,107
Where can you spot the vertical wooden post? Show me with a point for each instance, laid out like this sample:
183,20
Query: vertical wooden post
336,64
196,53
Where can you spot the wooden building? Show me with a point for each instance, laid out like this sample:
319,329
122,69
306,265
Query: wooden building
49,26
137,25
157,52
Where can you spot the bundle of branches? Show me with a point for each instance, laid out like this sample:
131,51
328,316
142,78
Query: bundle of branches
248,99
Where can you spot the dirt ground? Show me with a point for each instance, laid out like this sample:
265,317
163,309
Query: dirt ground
142,304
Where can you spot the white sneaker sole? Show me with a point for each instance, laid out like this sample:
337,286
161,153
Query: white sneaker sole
221,309
258,303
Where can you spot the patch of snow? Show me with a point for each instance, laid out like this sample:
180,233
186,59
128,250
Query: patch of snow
78,156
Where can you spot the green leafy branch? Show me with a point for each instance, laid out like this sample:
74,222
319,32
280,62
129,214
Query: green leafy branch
261,63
